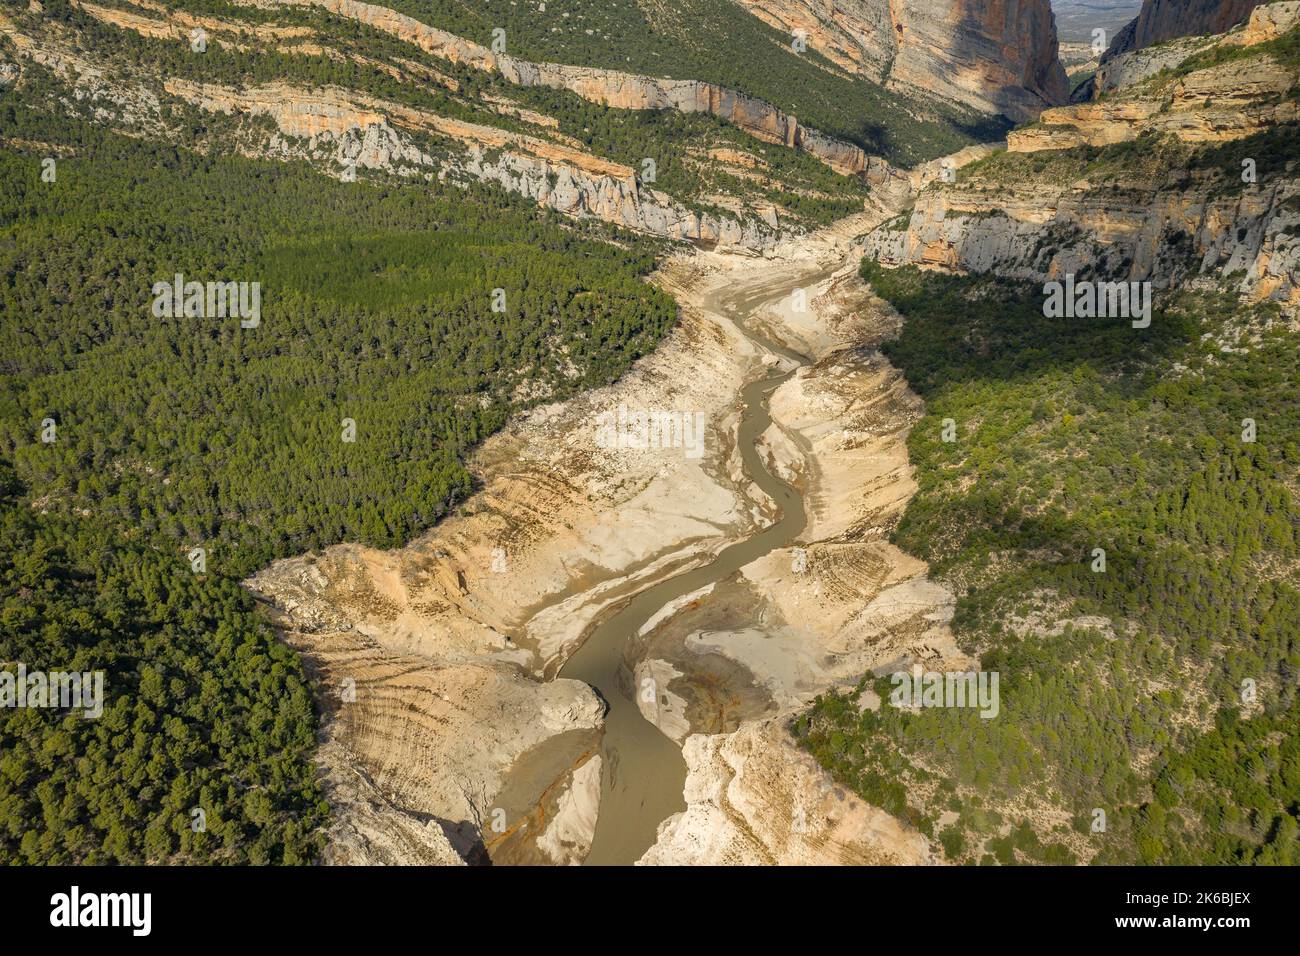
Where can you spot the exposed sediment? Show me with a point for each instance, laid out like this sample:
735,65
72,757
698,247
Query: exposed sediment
451,643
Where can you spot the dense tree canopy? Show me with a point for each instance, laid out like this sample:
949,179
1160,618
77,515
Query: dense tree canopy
423,314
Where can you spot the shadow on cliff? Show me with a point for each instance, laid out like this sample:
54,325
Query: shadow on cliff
467,840
874,138
1042,81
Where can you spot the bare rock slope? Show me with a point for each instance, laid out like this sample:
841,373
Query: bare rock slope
1161,20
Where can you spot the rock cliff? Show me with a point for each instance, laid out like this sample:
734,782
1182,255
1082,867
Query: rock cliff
1172,230
617,89
1169,212
344,130
1161,20
995,56
1127,68
998,54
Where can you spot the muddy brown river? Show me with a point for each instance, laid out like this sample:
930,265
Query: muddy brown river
643,770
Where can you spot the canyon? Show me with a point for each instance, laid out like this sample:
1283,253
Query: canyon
578,560
596,656
452,644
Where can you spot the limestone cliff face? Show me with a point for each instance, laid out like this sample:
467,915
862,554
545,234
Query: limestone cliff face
1123,69
1161,20
994,55
618,89
856,35
1167,225
1163,236
343,130
1216,105
1001,54
349,129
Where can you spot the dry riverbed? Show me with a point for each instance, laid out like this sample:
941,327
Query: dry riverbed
447,734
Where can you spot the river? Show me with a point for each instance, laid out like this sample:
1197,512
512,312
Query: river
643,769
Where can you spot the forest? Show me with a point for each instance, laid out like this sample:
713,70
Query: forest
1160,690
206,711
421,317
377,306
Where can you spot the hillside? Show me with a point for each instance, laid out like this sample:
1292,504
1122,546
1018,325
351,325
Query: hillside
143,437
1113,501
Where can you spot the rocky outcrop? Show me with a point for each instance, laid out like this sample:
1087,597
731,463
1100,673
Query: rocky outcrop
1248,238
1129,69
365,132
351,130
856,35
998,57
433,740
1266,23
754,798
1165,233
1219,103
1216,105
1163,220
992,54
1161,20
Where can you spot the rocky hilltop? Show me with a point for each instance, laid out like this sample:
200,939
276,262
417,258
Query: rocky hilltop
1183,175
994,56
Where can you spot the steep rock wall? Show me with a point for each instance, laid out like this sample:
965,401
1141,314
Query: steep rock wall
992,54
1164,236
1161,20
998,56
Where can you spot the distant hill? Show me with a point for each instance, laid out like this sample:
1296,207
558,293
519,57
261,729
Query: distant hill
1076,19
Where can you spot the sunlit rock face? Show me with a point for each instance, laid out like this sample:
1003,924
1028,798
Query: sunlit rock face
994,55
